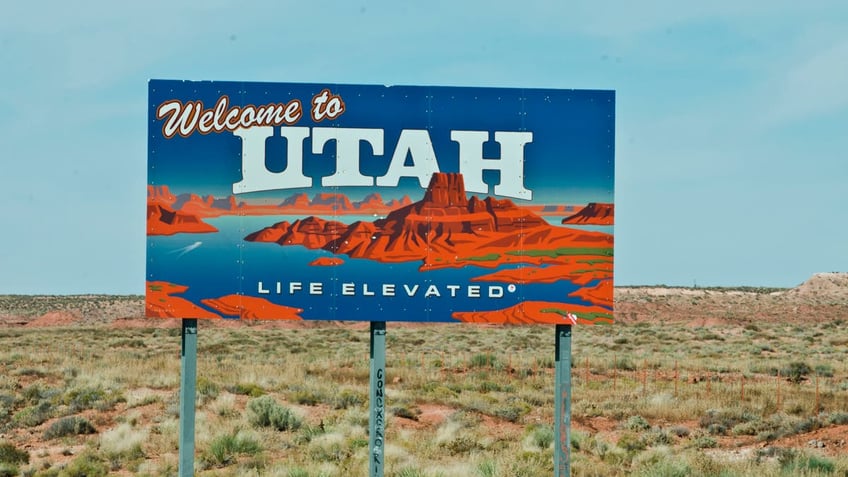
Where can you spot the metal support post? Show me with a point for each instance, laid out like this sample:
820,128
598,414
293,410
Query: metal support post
188,383
562,400
377,406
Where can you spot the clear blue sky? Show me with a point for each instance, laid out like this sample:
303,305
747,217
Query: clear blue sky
732,117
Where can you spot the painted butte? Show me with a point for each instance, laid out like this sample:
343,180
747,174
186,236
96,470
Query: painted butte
445,229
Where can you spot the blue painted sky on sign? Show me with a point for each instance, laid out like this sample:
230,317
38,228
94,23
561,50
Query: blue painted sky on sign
571,147
730,117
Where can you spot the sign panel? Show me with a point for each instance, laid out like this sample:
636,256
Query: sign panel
375,203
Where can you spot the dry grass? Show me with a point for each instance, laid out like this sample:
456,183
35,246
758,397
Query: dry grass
463,400
690,382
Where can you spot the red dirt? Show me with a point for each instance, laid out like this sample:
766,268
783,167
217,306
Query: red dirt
53,318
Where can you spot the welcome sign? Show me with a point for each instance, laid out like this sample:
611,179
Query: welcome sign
376,203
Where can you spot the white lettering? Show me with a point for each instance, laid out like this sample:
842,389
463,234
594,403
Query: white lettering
510,164
184,119
432,290
255,175
416,143
347,153
262,291
413,142
496,291
348,289
410,291
388,289
326,105
295,286
474,291
316,288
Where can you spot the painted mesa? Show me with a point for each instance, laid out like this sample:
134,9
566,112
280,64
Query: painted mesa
373,203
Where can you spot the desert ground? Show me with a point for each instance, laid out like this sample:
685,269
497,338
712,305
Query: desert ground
688,381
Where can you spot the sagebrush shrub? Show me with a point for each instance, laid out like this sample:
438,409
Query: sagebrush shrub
266,412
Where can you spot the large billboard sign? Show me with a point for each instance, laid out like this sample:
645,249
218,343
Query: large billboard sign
376,203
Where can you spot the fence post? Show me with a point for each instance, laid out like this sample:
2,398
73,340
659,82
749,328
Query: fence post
676,377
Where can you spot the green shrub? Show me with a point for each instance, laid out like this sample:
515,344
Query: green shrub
86,465
297,472
9,470
247,389
636,423
795,463
824,370
484,360
838,418
224,449
207,389
631,442
796,371
487,468
69,426
705,442
347,398
543,437
266,412
719,422
659,437
461,445
308,397
405,412
35,415
409,472
12,455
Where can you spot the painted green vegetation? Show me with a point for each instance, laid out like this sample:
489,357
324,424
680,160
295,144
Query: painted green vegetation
483,258
596,318
649,400
563,251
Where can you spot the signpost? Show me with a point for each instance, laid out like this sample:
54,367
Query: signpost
372,203
188,383
377,405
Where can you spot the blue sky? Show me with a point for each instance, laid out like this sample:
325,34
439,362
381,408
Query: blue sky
731,129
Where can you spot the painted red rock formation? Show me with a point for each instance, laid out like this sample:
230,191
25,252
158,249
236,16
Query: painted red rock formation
297,200
326,262
297,204
538,312
336,202
162,220
593,214
160,195
207,206
444,229
371,202
395,203
160,302
252,308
